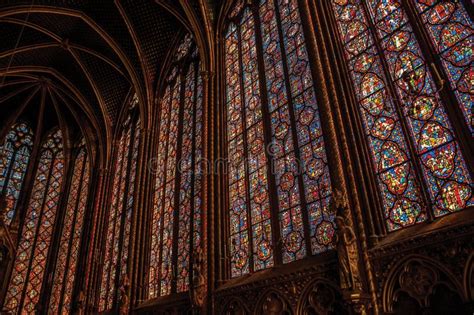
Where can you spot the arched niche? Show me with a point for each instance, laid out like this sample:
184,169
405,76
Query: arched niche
321,297
418,284
273,303
235,307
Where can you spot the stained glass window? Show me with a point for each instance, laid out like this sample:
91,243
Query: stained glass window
451,32
118,229
66,263
415,151
176,221
14,157
33,248
274,141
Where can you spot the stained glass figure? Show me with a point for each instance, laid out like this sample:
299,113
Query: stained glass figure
14,157
451,31
33,248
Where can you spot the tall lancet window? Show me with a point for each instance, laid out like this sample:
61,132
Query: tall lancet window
406,109
176,222
278,178
119,221
14,157
71,232
34,245
451,32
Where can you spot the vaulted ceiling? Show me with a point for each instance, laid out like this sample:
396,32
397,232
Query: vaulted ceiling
93,52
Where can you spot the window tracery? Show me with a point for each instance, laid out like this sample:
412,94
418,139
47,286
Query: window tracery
67,260
36,237
176,220
452,35
416,152
274,141
14,158
118,228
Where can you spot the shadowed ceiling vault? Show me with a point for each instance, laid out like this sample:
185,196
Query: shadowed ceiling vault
96,53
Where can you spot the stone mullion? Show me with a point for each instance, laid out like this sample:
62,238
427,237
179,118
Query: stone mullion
94,293
117,234
142,204
121,233
276,240
73,227
97,249
195,65
37,228
152,145
177,181
87,242
367,183
137,209
222,216
337,146
208,181
68,173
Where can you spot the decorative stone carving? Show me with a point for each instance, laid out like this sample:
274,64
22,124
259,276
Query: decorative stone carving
198,288
345,240
445,251
290,286
418,283
274,304
348,256
319,300
235,308
418,280
124,296
80,306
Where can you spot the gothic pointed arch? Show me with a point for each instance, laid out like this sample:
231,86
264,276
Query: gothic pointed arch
273,302
176,226
235,306
118,238
418,283
35,243
71,233
46,227
321,297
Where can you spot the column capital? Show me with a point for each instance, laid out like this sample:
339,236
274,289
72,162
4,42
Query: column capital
206,75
